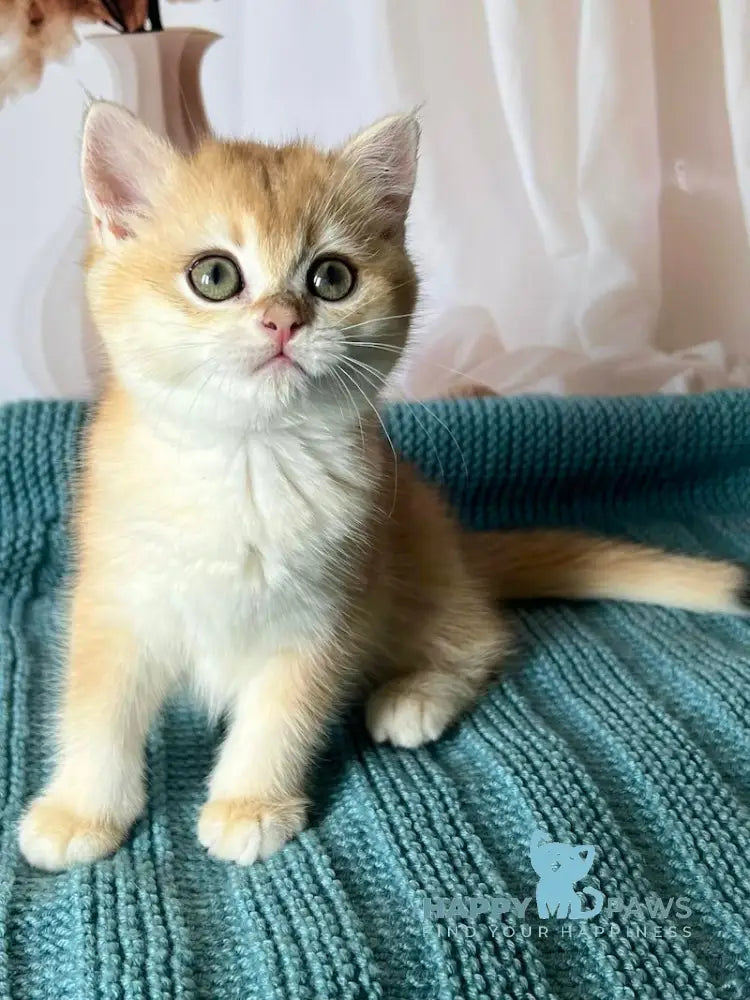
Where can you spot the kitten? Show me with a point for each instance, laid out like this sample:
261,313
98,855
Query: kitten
241,525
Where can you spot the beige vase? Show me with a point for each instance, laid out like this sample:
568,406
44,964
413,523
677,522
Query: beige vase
157,76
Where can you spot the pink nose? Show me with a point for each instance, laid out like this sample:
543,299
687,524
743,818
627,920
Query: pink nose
282,320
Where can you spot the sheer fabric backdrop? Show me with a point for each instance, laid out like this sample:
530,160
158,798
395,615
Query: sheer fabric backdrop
582,215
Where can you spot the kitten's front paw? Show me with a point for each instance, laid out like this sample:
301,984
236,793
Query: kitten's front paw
400,714
244,830
53,837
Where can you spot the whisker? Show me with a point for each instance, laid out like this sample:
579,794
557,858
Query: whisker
172,388
450,432
422,360
429,412
156,352
202,386
376,319
354,407
387,435
373,371
382,347
419,422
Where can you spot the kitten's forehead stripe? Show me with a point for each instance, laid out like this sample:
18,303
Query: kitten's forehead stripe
265,177
282,189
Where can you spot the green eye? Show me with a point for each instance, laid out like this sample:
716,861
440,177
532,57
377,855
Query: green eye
215,278
330,278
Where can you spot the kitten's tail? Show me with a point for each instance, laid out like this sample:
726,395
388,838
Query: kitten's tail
542,564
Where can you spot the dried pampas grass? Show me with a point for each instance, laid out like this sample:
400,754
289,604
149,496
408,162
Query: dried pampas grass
35,32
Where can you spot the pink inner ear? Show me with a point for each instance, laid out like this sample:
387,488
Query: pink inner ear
109,183
386,155
119,232
122,164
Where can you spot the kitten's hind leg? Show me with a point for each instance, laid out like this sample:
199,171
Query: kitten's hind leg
414,709
454,662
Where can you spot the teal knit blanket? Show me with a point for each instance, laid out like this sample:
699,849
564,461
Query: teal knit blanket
620,731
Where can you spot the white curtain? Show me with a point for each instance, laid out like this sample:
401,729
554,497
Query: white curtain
583,208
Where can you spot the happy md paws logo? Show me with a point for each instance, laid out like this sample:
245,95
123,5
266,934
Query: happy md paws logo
566,902
560,867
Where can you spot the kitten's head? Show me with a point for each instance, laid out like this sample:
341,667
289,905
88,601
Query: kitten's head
565,862
245,283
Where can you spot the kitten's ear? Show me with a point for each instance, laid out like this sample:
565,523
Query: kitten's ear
386,156
121,163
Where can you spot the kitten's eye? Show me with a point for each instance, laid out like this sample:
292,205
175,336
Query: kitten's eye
215,278
330,278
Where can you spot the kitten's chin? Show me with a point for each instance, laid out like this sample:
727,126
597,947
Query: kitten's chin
281,374
234,401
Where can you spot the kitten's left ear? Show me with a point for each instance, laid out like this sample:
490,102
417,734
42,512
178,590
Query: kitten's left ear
122,163
386,156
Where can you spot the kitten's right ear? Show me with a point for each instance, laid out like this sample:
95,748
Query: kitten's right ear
121,163
386,156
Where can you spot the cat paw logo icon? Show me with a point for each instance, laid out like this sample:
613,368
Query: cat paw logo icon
559,867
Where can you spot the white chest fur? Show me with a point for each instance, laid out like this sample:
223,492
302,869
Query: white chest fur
235,549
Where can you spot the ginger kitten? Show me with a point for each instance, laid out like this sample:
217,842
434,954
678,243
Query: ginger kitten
240,525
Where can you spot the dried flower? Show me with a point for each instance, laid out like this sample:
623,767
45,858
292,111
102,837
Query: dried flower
128,14
35,32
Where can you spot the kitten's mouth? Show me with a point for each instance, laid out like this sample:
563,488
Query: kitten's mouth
278,363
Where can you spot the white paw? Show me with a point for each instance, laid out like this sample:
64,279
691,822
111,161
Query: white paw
406,718
53,837
244,830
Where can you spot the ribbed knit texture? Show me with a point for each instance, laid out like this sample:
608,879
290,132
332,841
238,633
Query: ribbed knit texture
620,726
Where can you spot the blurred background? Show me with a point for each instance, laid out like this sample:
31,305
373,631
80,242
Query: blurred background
583,207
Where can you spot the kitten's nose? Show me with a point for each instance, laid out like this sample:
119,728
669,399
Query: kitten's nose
283,320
